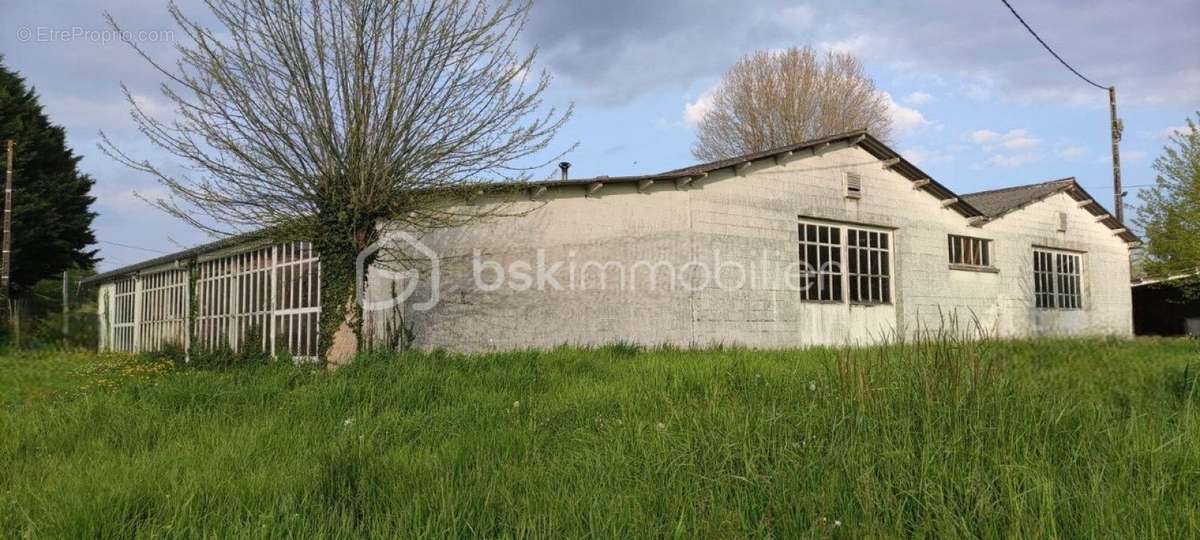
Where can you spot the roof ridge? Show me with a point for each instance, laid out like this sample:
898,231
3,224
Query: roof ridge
755,155
1023,186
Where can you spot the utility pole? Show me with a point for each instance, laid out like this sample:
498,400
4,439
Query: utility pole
1117,128
5,251
65,312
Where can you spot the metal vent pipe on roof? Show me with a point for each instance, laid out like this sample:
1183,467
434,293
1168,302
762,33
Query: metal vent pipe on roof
564,166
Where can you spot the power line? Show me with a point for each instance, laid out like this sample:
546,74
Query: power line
160,252
1039,38
1128,185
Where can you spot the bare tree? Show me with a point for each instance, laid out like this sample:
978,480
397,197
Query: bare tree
318,119
773,99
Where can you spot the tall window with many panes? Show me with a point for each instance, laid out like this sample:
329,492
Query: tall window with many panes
845,263
1057,279
820,263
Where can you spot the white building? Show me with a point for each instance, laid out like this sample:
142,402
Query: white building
836,241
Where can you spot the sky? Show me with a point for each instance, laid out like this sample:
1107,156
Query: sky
975,101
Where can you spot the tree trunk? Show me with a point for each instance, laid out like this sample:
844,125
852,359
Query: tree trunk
343,346
341,316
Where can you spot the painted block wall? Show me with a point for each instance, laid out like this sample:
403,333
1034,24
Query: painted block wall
750,218
584,306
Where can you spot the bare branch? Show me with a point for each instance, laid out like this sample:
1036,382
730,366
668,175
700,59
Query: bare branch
773,99
290,108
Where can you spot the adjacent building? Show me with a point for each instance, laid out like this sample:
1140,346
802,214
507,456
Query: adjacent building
1166,307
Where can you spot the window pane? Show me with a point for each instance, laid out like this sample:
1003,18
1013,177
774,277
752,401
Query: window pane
870,267
820,256
966,250
1057,280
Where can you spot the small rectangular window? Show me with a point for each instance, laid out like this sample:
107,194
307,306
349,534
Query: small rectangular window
1057,280
970,251
820,263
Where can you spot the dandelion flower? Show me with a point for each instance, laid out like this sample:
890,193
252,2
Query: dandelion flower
347,421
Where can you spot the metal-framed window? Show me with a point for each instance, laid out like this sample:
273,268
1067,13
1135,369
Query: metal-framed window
820,263
869,265
1057,279
297,299
264,297
970,251
123,311
270,294
164,310
841,262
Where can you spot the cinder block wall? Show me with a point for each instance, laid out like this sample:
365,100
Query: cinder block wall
569,229
1107,302
751,216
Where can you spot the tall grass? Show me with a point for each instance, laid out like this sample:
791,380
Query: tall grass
933,438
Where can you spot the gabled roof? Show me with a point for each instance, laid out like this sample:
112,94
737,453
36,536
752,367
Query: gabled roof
859,138
997,203
977,207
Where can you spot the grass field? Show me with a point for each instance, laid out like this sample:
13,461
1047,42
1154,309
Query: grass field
1078,438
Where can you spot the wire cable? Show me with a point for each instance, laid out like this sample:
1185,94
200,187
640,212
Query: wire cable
1039,38
133,247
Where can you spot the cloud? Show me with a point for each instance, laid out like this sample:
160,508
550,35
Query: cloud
916,99
129,200
694,111
1014,139
855,45
923,156
905,120
984,136
621,49
1166,134
1019,139
798,16
1071,152
1133,156
1012,161
1011,149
